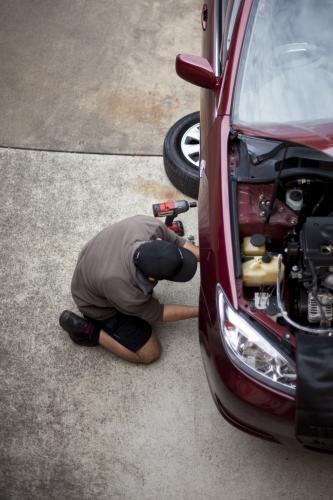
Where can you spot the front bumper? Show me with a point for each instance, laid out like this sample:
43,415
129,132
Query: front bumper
243,401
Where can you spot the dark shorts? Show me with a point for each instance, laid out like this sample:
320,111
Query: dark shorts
130,331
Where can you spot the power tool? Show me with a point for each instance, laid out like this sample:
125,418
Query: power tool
170,209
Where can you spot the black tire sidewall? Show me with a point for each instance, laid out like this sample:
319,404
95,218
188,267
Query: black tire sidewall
182,173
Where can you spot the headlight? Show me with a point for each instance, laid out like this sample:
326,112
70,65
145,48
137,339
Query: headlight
253,352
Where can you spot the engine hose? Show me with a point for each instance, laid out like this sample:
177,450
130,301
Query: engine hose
317,205
284,313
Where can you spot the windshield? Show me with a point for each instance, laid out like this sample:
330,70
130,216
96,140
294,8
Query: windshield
286,68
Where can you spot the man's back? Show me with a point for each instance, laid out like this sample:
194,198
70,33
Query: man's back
105,278
113,286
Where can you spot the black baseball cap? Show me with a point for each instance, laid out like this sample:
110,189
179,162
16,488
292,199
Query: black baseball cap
164,260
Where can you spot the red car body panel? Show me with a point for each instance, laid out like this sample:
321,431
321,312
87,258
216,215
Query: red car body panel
244,401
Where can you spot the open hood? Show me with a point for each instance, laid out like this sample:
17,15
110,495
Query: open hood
316,135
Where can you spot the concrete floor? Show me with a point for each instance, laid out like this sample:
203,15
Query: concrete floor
94,76
77,423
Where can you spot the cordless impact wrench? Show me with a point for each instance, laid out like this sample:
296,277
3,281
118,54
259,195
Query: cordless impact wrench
170,209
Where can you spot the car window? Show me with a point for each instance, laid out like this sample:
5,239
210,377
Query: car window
222,13
233,17
286,69
233,9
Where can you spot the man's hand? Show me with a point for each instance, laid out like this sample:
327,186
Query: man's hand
176,312
192,248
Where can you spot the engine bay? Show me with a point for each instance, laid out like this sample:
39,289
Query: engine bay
285,232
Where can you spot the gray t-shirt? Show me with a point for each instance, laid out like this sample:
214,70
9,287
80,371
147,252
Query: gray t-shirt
105,279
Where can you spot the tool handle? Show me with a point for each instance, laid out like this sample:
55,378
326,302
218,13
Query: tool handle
169,220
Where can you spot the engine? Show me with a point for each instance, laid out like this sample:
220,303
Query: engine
313,271
295,248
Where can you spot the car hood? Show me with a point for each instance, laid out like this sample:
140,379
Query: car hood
318,136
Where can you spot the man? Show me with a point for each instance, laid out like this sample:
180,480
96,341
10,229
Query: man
113,284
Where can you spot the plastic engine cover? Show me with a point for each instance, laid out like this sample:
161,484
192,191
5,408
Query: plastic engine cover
317,240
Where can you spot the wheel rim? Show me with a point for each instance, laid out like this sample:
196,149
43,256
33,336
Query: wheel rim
190,145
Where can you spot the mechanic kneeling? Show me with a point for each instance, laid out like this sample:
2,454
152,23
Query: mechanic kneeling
113,284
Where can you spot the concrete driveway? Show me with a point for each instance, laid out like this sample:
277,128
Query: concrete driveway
94,76
77,423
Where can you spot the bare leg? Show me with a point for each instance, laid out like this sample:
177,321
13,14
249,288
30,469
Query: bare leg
150,352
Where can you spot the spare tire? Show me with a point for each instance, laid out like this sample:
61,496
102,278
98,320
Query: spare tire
181,154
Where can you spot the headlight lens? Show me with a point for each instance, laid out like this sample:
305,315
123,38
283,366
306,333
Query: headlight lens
247,347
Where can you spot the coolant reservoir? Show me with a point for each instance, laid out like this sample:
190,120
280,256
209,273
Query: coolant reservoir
258,271
254,245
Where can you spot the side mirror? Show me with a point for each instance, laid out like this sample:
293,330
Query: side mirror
196,70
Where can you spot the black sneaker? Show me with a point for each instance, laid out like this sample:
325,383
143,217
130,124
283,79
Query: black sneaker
81,331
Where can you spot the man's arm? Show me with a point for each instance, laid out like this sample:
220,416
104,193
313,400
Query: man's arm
165,233
176,312
192,248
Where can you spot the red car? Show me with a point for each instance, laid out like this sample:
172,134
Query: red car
265,212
